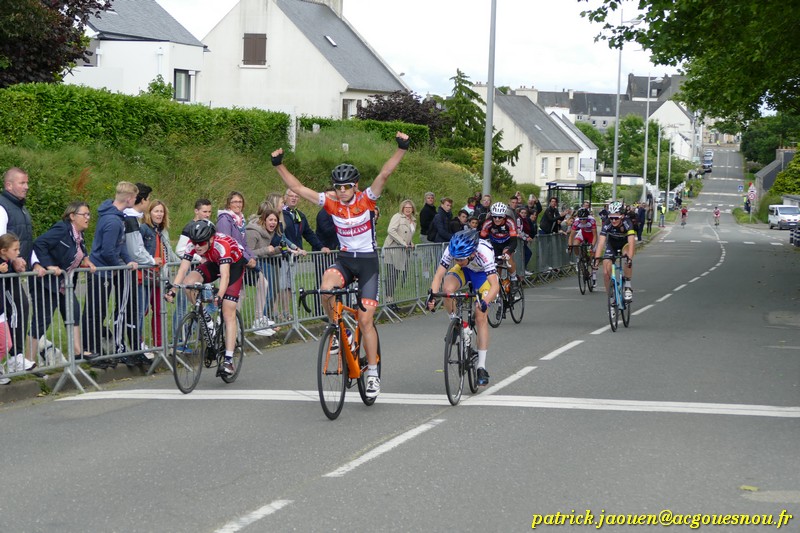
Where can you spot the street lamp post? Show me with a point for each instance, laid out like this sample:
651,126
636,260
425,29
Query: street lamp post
646,143
616,127
658,165
669,168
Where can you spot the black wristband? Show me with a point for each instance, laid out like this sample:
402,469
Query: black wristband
277,160
402,143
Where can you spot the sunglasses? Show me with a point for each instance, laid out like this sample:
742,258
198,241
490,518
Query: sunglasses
615,218
198,244
344,186
499,218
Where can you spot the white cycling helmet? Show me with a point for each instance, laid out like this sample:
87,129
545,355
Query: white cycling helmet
615,208
499,209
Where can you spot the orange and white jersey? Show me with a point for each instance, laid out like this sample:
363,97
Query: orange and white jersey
353,221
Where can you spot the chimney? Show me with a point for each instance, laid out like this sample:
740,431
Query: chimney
571,94
531,92
335,5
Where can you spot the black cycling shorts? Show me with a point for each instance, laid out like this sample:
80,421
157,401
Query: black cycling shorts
363,267
210,272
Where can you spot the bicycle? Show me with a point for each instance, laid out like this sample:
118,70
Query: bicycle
460,355
196,346
337,371
510,297
616,300
584,268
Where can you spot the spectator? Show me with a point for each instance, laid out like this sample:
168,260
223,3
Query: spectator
661,212
470,207
15,218
440,227
9,251
482,209
231,222
513,203
276,251
535,209
649,218
260,241
640,218
472,222
426,216
459,223
62,248
109,250
524,232
296,226
747,206
202,211
155,234
551,218
397,246
137,252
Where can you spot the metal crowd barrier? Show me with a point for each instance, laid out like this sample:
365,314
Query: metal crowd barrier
120,315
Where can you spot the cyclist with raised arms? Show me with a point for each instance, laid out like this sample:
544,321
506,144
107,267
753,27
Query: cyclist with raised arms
617,236
223,259
583,229
501,232
354,214
468,258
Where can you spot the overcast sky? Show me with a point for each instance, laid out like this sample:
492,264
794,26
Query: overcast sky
541,43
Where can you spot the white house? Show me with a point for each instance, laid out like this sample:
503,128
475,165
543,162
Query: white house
295,56
133,42
547,153
587,163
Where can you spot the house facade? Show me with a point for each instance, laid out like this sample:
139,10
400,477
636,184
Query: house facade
587,160
296,56
134,42
547,153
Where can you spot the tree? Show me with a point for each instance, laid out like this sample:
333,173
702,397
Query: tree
39,39
463,144
788,180
159,88
738,55
407,107
763,136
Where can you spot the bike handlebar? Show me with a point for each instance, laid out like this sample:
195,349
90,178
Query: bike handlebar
336,291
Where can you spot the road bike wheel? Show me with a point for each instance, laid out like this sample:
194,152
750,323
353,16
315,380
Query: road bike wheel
331,375
362,379
494,312
471,364
582,276
188,350
626,313
454,362
613,315
517,303
238,351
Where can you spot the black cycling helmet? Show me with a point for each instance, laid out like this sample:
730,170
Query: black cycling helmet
583,213
201,231
345,173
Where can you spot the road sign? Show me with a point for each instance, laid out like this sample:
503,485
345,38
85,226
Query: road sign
741,188
752,188
751,195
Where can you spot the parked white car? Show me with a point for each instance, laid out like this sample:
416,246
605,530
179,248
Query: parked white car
783,216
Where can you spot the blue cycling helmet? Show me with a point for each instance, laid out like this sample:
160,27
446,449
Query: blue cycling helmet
463,243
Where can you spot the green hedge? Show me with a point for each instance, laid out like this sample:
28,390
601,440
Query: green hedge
58,114
417,133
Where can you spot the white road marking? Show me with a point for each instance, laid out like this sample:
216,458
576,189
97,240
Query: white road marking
664,297
505,383
556,353
601,330
383,448
748,242
545,402
693,240
642,310
776,243
706,273
694,279
679,287
785,347
258,514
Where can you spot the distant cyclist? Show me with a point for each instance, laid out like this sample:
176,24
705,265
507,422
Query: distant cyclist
617,237
468,258
583,230
501,232
684,215
223,260
716,216
354,213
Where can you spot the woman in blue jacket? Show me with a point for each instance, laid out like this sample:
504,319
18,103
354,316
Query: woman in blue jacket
61,249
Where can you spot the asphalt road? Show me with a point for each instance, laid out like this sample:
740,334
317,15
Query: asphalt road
695,409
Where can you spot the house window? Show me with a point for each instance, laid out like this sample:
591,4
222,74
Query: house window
571,166
255,49
594,122
605,123
558,168
544,166
183,86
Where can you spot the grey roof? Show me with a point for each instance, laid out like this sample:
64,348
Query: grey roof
575,130
771,171
594,104
553,99
351,57
140,20
536,124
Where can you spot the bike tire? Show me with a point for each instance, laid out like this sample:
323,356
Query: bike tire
494,312
188,352
331,375
582,276
238,350
626,313
517,303
589,281
362,379
613,314
454,362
